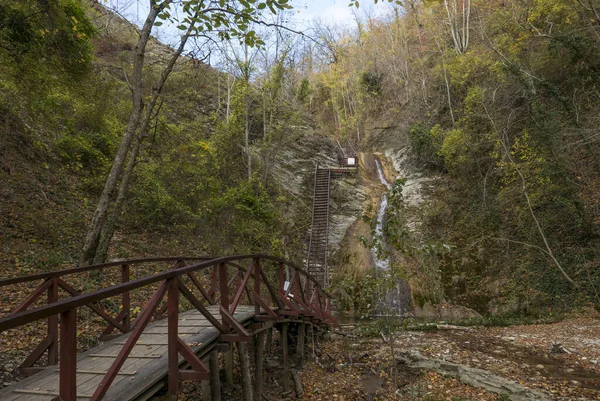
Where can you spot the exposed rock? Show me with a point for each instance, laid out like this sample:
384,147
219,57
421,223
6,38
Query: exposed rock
348,200
446,311
271,364
415,180
294,170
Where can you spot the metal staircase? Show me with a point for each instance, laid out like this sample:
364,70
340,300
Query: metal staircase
316,262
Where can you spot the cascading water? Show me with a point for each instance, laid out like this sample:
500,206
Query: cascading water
393,299
381,262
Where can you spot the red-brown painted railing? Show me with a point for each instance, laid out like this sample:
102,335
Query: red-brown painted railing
302,297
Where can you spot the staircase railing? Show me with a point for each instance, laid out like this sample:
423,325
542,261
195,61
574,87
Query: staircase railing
325,268
317,255
312,225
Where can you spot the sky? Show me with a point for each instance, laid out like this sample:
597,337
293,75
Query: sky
330,12
335,12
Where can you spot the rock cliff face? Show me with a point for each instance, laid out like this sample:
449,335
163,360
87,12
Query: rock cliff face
354,195
349,197
416,182
419,268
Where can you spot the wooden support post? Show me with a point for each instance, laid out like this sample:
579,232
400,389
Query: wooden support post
312,342
68,356
206,395
257,287
224,292
259,358
229,367
53,324
172,336
297,383
126,300
215,384
300,344
205,384
286,367
245,371
269,341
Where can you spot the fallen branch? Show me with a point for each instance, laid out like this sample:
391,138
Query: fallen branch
471,376
434,326
453,327
266,397
344,334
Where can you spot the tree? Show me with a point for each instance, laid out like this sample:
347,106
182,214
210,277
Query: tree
229,19
459,16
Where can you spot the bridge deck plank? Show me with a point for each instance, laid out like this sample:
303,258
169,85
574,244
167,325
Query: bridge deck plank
194,329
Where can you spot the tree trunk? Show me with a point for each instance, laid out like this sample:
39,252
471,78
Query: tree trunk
247,133
447,88
245,371
459,24
247,111
100,214
107,230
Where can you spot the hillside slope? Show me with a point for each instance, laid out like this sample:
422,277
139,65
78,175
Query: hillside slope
62,124
501,130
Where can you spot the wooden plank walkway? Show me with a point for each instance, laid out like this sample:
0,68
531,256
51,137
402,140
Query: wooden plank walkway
143,369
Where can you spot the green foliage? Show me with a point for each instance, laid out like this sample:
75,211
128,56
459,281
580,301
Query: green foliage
355,291
83,152
388,326
304,91
371,82
56,36
153,205
45,53
248,211
582,53
231,19
424,143
455,148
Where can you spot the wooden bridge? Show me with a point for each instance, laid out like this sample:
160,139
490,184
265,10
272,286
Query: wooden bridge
232,300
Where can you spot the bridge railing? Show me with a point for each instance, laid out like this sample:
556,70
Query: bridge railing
276,288
54,282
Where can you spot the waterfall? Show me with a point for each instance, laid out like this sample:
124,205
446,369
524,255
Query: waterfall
381,262
397,298
382,178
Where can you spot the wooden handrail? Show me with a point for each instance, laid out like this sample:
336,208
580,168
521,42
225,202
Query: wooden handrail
60,273
28,316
